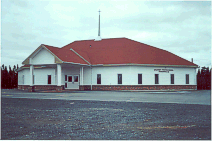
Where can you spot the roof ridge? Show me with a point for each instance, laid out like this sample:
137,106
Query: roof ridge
94,40
51,46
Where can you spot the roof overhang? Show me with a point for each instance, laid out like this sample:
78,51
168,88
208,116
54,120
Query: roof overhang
147,65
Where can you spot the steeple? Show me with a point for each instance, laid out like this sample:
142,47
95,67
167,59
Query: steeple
99,37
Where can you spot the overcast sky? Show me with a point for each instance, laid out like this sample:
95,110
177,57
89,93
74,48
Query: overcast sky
183,28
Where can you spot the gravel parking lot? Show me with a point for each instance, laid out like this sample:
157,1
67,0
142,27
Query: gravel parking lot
29,118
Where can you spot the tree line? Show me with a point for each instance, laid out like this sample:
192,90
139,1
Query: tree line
9,78
204,78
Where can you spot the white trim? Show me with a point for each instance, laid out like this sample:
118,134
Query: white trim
51,53
79,56
75,63
156,65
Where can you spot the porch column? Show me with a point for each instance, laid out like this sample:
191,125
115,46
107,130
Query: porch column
91,78
82,76
31,85
58,75
31,69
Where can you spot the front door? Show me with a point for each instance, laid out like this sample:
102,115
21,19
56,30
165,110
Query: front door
72,81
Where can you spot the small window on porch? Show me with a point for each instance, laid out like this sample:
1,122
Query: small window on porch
49,79
98,78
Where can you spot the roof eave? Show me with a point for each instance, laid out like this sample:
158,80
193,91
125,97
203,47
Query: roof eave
155,65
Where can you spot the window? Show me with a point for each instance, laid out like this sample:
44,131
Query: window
139,78
156,78
98,78
69,78
23,79
65,85
75,78
49,79
172,78
187,78
119,78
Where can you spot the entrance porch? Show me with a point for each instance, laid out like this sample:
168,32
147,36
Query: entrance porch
57,77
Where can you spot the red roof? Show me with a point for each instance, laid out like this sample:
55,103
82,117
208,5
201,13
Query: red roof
116,51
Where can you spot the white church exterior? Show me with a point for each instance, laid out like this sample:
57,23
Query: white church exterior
106,64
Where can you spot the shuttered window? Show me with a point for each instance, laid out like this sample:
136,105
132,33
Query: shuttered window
98,78
139,78
49,79
156,78
187,78
119,78
172,78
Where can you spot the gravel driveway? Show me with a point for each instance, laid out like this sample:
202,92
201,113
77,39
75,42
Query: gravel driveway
40,119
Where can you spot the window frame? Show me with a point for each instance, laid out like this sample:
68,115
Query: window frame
157,78
171,78
140,82
98,79
119,82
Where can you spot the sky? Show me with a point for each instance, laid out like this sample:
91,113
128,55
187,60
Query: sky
180,27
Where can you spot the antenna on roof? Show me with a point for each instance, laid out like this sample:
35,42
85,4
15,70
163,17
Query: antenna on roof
99,37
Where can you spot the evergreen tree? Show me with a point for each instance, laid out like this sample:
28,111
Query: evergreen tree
5,78
15,74
2,76
10,78
199,80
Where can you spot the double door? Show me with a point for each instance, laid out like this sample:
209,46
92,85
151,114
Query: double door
72,81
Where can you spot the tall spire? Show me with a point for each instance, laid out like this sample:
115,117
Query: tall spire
99,23
99,37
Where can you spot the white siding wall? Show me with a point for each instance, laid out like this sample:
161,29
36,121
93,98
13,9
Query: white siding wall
109,75
130,75
41,76
43,57
87,76
24,72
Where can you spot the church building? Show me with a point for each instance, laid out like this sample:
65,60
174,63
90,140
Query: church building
105,64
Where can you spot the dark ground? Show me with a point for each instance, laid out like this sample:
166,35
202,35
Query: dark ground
63,119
